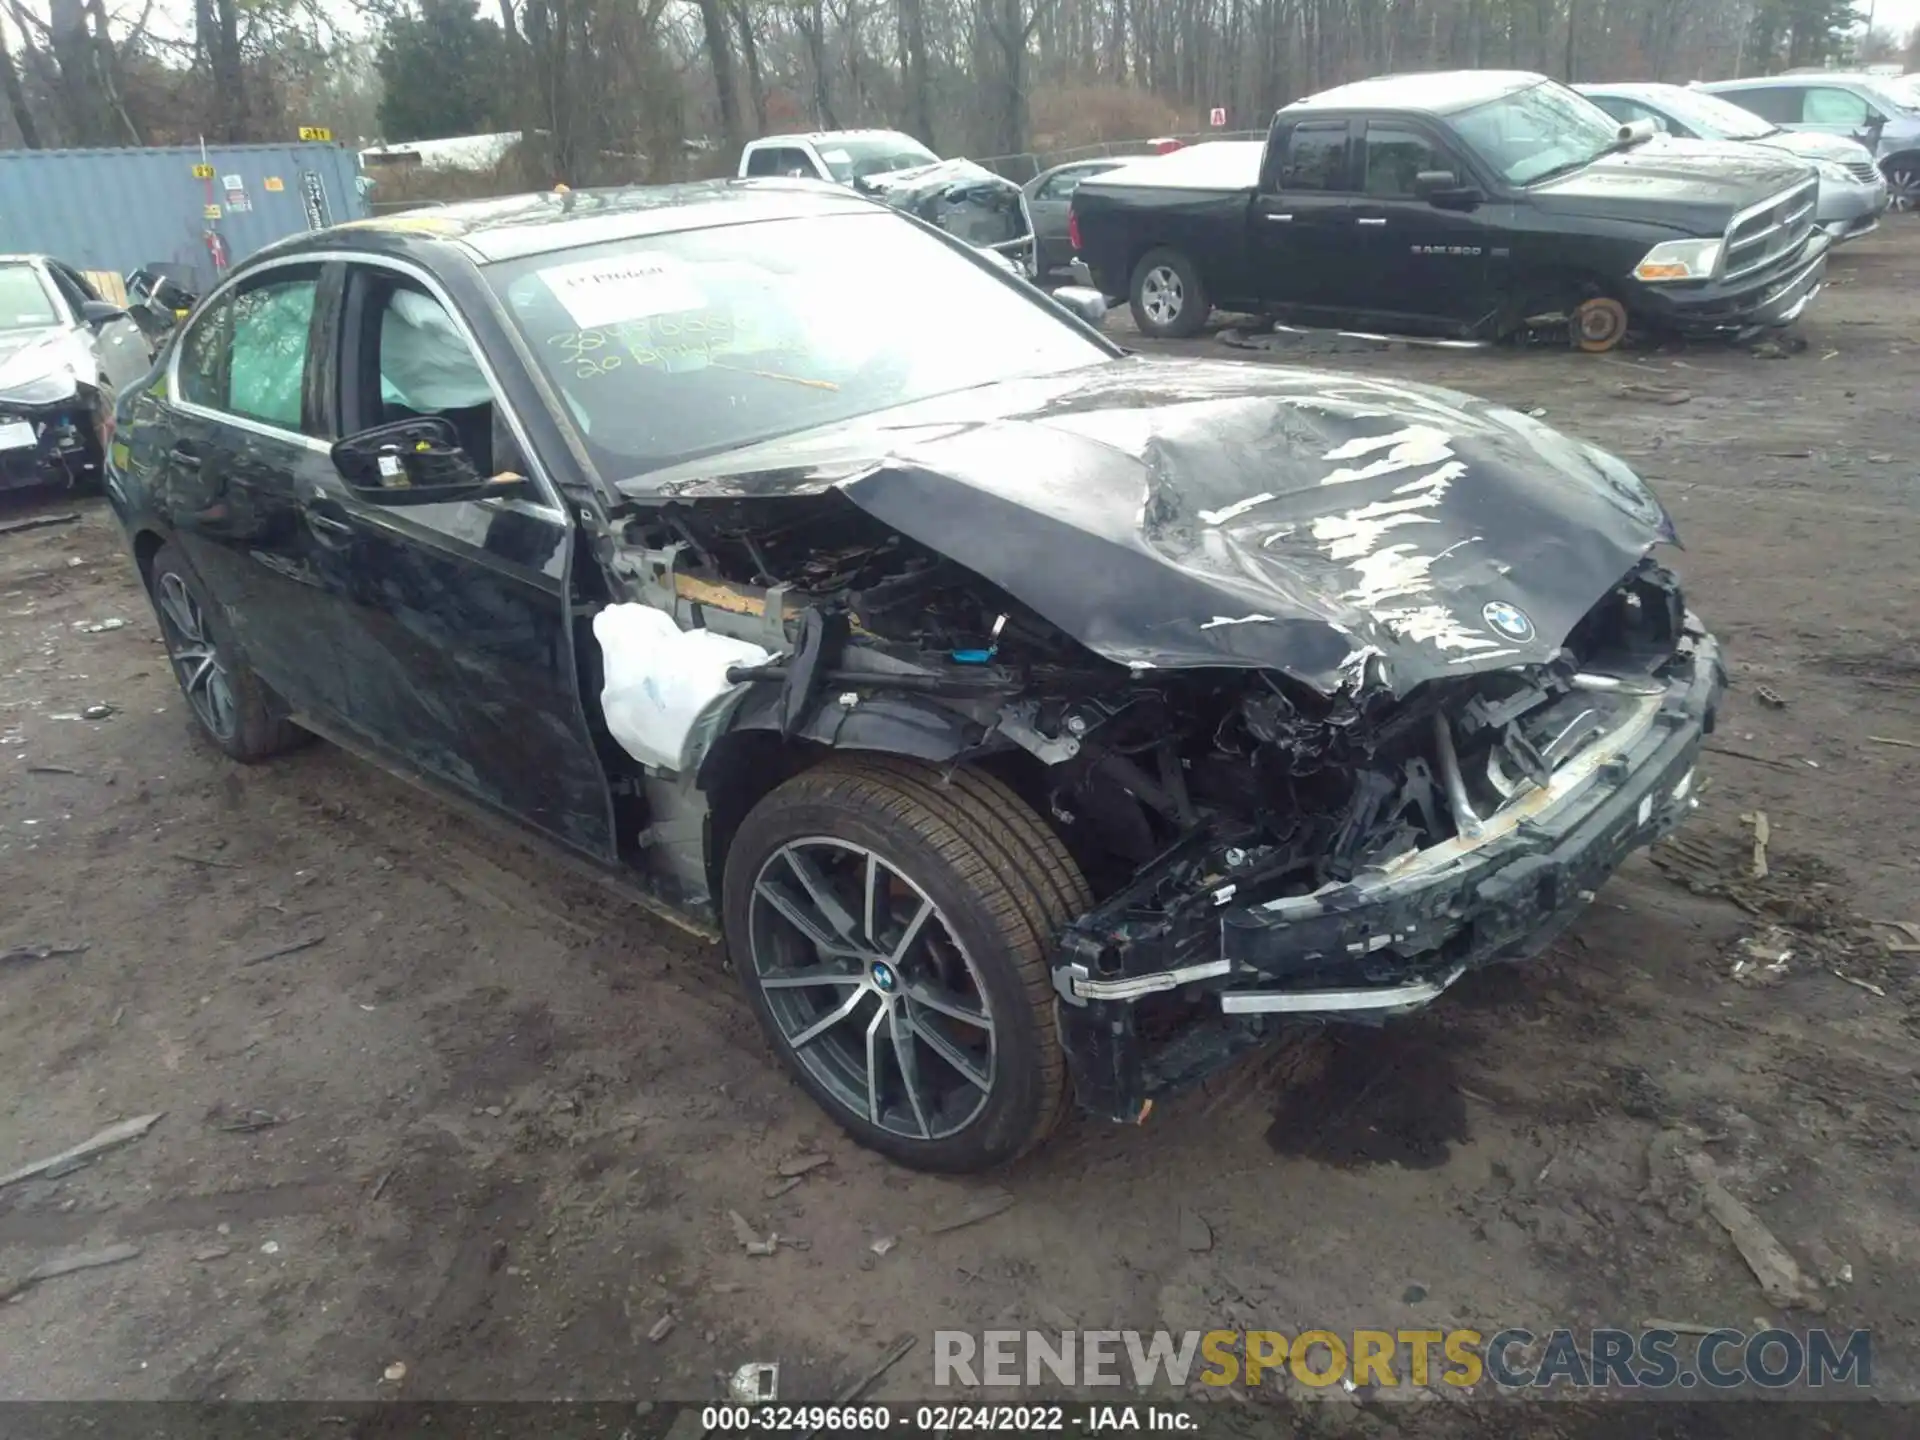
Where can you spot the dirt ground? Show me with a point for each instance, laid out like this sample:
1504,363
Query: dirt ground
490,1127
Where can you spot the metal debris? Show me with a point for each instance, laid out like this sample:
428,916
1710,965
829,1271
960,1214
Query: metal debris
100,626
1909,928
113,1135
212,1252
1655,394
1779,1274
742,1231
1770,697
37,522
67,1265
293,947
884,1244
1867,985
396,1372
1681,1327
1889,740
801,1164
755,1383
660,1329
780,1187
97,712
19,954
50,770
983,1209
249,1121
1764,956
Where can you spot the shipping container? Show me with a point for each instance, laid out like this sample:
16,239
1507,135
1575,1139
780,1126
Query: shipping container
109,211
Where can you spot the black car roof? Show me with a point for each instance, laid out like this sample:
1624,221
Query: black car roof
1434,92
519,225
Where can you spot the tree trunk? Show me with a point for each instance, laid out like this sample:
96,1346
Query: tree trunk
813,29
750,49
109,66
720,55
17,97
913,69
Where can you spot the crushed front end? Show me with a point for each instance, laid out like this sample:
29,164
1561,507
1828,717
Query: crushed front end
51,444
1352,859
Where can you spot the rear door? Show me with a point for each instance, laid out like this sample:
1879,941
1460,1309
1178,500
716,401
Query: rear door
242,435
1302,246
452,620
1427,269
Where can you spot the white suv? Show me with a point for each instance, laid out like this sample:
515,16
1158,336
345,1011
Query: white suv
840,156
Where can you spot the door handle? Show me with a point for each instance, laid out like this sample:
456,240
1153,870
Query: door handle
1371,220
1279,219
330,527
184,456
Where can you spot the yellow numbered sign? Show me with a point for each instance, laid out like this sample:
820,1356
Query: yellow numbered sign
274,183
203,172
316,132
213,212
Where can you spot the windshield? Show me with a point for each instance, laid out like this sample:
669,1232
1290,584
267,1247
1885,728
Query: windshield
1892,96
1538,131
1712,117
850,160
670,347
24,301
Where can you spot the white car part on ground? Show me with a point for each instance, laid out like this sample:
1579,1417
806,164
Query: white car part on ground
662,681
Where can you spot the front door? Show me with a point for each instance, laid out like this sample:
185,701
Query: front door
1428,268
453,619
1302,242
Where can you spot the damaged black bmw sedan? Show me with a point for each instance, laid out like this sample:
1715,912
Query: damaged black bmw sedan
1035,723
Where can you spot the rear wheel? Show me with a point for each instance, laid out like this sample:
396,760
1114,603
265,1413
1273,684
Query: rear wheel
235,710
891,926
1169,301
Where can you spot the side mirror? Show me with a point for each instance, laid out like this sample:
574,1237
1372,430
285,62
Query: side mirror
100,312
416,462
1088,305
1442,190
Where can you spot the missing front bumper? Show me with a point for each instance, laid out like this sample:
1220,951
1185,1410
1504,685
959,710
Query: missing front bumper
1147,1011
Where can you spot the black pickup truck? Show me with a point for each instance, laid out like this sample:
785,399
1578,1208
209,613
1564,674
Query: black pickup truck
1465,204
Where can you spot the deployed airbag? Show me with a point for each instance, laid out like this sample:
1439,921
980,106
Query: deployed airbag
664,686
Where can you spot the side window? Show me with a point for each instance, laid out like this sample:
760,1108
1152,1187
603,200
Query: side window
248,355
1316,157
416,361
764,161
1779,104
1827,105
1394,156
1062,186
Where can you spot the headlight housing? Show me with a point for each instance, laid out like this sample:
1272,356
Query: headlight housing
49,389
1679,260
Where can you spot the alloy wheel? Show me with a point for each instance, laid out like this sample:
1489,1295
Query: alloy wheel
1903,188
196,658
871,988
1162,295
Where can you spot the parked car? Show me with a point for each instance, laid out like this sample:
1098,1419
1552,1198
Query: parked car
65,353
1880,114
1853,193
839,156
1464,204
1033,721
1048,206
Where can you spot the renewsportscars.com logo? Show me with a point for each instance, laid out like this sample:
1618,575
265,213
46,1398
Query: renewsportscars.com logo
1654,1359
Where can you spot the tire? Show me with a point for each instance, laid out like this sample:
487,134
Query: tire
1902,172
1168,299
997,887
232,706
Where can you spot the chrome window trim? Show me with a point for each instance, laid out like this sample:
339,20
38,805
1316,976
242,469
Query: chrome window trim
548,506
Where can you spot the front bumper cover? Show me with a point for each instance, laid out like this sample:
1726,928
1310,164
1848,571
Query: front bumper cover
1387,942
1754,302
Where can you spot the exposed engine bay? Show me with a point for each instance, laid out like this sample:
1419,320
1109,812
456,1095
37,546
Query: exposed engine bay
1243,774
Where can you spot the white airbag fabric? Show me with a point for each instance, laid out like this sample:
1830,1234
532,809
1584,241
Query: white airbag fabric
661,681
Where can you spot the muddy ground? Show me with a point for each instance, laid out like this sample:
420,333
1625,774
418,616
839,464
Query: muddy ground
510,1115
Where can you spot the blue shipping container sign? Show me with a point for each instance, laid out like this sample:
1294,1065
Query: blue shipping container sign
114,210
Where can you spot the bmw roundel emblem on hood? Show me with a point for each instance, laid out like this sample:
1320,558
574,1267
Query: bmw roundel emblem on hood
1508,620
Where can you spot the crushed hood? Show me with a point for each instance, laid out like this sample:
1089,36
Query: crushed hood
31,354
966,200
1673,180
1342,529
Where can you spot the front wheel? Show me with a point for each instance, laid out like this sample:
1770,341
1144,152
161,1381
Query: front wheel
1903,182
891,926
1168,298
